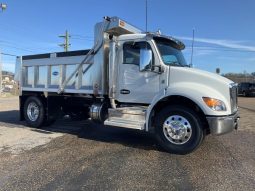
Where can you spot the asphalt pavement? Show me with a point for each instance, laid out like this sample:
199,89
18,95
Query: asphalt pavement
85,156
247,103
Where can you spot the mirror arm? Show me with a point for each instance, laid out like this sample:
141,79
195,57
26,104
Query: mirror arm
160,71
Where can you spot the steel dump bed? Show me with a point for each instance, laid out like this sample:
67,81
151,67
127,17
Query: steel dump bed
46,72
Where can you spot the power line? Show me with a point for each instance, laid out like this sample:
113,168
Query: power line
18,48
16,45
6,54
21,34
12,45
81,39
81,36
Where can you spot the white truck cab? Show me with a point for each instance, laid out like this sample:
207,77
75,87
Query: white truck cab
132,80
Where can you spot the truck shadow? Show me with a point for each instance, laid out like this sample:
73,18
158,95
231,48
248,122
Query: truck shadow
86,130
10,117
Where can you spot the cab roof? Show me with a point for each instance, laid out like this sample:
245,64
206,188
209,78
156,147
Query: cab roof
177,43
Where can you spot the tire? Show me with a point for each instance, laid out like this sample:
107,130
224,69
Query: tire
34,112
245,94
178,129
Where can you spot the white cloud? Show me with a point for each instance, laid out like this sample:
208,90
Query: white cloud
203,52
221,42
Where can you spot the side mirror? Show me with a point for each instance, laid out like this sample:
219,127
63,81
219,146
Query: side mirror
145,59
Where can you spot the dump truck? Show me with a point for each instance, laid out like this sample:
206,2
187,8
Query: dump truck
129,79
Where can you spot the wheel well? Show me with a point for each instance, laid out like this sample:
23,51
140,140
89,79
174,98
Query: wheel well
178,100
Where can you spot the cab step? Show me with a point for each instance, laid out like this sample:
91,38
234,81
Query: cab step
127,117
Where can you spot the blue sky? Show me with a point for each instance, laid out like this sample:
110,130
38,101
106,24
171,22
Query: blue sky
224,29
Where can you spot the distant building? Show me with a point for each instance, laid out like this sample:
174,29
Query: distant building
8,83
6,79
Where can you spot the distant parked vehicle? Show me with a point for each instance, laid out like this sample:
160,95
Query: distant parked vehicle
246,89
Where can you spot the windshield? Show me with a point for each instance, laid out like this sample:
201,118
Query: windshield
170,54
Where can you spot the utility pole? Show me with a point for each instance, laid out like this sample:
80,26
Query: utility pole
66,44
0,73
3,7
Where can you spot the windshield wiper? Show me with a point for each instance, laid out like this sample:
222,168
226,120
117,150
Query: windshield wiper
174,63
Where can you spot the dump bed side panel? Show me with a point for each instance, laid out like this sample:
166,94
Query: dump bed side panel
46,72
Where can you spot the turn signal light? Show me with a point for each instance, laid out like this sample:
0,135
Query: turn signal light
214,104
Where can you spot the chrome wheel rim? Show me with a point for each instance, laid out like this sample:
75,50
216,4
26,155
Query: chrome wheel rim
33,111
177,129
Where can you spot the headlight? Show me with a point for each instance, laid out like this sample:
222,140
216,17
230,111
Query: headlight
215,104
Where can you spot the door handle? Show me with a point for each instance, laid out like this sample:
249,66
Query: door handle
124,91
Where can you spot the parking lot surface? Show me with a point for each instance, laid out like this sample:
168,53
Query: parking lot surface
84,156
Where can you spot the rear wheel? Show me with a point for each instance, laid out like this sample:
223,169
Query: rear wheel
34,112
245,94
178,129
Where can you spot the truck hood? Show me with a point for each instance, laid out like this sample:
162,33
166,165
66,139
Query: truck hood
185,74
196,84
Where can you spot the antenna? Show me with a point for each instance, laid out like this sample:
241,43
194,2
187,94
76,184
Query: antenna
191,59
146,15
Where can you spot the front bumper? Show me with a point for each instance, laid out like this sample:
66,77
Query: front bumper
223,124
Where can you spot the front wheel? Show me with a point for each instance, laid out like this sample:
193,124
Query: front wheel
178,129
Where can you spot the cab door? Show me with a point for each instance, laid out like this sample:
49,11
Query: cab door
135,86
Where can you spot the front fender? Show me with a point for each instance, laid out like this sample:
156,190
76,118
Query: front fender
193,91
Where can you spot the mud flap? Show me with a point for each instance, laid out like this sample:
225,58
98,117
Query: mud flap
53,109
22,100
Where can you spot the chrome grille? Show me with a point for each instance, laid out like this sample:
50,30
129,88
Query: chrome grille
233,97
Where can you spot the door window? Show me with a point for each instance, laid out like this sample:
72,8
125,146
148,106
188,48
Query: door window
131,52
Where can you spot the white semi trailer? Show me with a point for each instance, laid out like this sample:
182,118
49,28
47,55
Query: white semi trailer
129,79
